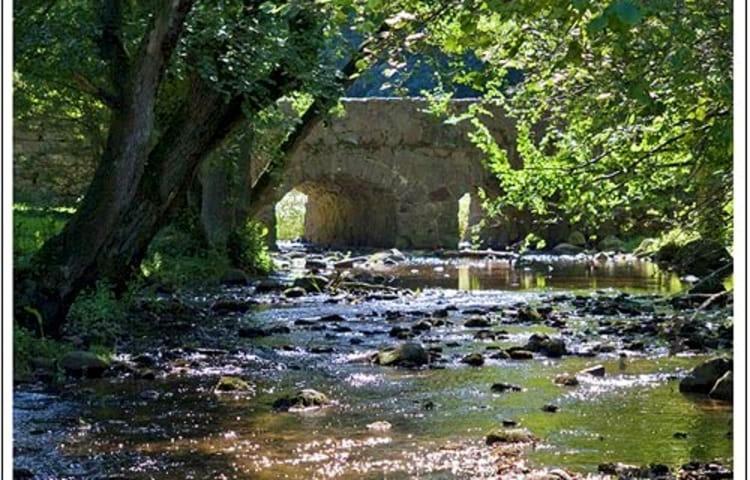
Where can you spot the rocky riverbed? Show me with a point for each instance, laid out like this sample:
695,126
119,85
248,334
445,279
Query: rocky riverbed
467,365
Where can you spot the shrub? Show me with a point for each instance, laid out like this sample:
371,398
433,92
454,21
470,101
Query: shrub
97,316
247,248
28,347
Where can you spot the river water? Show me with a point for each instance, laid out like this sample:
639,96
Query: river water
176,427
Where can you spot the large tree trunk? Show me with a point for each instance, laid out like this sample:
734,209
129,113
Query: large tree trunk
138,187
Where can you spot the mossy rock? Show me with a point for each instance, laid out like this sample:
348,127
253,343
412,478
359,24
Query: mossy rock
577,238
303,399
408,354
648,246
83,364
231,384
509,435
610,243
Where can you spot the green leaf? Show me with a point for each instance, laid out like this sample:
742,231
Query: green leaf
627,12
597,24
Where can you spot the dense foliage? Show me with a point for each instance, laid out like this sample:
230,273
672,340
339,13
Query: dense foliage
624,110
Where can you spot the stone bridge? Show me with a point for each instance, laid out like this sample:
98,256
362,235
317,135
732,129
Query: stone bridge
387,173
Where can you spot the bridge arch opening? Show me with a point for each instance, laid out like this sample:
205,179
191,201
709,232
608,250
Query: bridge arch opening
338,212
464,213
290,214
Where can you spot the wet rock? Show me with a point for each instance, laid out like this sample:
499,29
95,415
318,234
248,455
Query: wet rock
509,435
723,388
473,359
332,318
302,400
502,387
610,243
268,285
294,292
485,335
477,322
422,326
529,314
313,283
321,349
566,379
315,264
402,333
441,313
145,360
380,426
550,408
700,257
149,395
279,330
146,374
620,470
547,346
500,355
349,262
21,473
408,354
230,305
506,422
234,276
231,384
519,354
703,471
680,435
595,371
566,249
252,332
703,377
83,364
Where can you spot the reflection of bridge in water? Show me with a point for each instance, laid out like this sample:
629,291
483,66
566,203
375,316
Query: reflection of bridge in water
389,174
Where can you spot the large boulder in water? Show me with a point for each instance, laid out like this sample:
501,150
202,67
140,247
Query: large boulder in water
723,389
699,257
407,354
703,377
83,364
